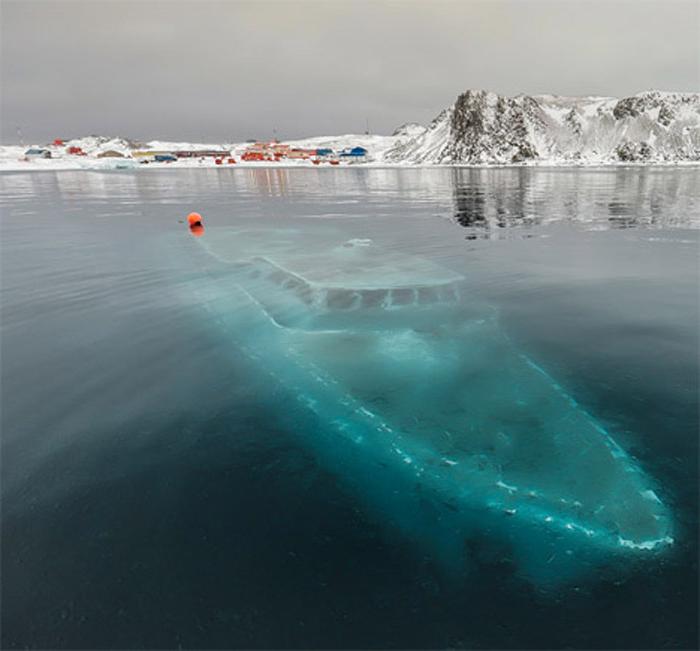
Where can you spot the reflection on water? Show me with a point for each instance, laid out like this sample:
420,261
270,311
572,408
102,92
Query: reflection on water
489,203
493,204
270,181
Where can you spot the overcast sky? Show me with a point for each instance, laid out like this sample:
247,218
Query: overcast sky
226,70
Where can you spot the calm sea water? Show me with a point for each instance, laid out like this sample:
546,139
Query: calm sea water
159,487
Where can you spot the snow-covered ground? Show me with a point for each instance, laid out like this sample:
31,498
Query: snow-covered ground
11,156
480,128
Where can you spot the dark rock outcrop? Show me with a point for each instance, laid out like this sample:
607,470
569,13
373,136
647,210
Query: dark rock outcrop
483,128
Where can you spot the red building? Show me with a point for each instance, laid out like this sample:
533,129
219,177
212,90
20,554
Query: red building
253,155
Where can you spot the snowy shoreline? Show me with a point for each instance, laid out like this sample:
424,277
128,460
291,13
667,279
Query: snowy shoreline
57,165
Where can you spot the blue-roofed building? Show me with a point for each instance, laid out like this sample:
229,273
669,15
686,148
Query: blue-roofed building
355,152
37,152
324,151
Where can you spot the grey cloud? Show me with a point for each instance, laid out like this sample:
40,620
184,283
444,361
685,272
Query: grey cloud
221,70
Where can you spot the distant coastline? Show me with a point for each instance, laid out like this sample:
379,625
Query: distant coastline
481,129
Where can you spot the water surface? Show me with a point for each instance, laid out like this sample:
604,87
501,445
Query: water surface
161,489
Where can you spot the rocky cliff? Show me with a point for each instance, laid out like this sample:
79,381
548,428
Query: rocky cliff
483,128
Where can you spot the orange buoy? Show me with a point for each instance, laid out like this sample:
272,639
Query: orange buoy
197,229
194,218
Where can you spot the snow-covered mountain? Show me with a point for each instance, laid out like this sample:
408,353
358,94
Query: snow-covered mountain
480,128
483,128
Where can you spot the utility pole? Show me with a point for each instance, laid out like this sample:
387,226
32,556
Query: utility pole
367,126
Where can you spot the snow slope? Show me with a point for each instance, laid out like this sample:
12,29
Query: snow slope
483,128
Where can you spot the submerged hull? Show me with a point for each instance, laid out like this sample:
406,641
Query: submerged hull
417,394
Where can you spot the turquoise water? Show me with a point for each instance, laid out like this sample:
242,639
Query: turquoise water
387,408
